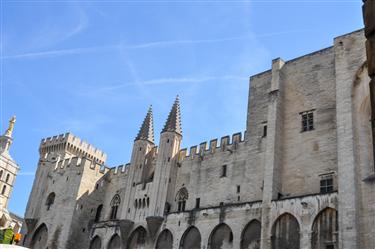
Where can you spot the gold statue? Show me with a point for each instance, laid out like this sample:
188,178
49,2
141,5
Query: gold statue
9,131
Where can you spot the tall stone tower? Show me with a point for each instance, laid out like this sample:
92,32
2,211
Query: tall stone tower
8,173
138,171
68,170
166,167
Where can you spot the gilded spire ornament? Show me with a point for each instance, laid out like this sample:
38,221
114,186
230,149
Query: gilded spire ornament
9,131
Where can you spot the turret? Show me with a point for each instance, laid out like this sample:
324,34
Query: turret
166,167
143,145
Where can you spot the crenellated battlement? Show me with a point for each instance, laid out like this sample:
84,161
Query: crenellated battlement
75,162
74,145
121,169
227,143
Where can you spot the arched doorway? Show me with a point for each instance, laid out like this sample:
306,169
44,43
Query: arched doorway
324,230
285,233
250,238
96,243
115,242
165,240
191,239
137,239
40,238
221,237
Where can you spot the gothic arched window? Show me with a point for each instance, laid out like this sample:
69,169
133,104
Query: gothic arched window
50,200
115,203
98,213
181,197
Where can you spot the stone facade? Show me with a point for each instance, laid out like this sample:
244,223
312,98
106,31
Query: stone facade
299,177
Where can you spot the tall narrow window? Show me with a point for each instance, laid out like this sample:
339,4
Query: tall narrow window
181,197
115,203
4,189
307,121
98,213
50,200
326,185
224,171
264,131
238,189
7,179
1,174
197,202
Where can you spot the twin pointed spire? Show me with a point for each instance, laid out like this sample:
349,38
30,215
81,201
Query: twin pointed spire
173,123
147,129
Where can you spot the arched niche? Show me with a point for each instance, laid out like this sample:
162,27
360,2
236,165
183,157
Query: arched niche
96,243
115,242
137,239
191,239
40,238
324,230
221,237
250,238
165,240
286,233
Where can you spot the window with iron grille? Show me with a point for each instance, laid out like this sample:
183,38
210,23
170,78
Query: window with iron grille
326,185
307,121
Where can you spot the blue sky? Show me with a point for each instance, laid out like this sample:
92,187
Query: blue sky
94,67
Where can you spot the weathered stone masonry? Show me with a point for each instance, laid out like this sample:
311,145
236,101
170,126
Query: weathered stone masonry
298,177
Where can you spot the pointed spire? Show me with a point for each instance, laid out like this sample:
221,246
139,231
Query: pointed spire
147,129
173,123
9,131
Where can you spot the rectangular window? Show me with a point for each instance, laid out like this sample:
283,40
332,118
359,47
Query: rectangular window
238,188
197,202
224,171
264,131
307,121
326,185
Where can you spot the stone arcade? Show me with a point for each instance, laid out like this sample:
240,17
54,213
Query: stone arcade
302,176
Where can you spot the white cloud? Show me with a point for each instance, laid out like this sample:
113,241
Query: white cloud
72,51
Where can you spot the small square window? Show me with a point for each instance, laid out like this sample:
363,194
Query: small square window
307,121
224,171
326,185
